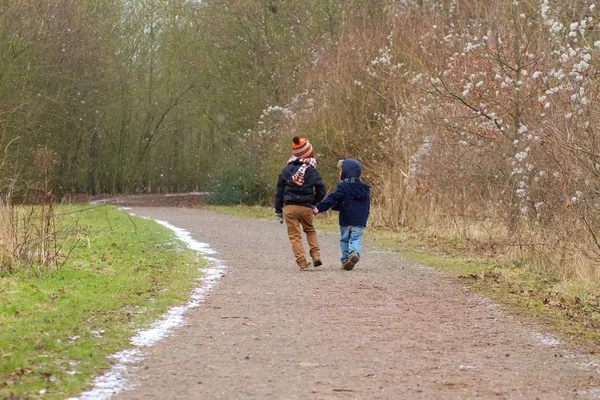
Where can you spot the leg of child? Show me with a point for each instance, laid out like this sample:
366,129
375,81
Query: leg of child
306,217
355,241
292,221
344,242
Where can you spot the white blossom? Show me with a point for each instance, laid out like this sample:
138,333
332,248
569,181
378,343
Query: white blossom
524,210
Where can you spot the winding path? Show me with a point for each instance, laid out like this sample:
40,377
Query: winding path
389,329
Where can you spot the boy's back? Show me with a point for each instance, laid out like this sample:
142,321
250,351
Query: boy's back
352,197
299,188
310,192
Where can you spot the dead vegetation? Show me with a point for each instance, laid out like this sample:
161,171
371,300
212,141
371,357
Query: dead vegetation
31,238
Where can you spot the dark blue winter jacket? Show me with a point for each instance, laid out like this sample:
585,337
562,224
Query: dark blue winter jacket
352,197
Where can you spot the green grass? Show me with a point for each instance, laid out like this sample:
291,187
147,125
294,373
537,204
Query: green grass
56,330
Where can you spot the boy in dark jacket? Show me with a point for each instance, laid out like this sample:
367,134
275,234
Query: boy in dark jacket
299,188
352,198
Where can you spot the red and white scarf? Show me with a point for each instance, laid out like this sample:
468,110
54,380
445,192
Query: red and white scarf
298,177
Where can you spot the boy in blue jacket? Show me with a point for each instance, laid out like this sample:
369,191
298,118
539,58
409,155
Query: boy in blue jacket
352,198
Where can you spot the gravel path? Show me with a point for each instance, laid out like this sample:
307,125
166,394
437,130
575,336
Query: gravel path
389,329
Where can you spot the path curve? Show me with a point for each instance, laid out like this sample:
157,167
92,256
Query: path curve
389,329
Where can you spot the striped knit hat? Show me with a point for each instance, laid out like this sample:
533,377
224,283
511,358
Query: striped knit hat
301,148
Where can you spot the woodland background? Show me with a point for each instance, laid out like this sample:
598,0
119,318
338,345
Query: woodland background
475,120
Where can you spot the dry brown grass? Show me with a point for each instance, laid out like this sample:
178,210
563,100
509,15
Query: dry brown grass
30,239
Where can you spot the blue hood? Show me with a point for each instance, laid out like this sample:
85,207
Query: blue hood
351,169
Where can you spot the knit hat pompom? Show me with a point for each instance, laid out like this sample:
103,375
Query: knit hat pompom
301,147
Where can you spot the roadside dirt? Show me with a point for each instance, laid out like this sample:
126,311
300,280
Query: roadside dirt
389,329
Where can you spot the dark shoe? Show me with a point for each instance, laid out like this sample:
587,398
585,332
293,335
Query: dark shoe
317,262
348,265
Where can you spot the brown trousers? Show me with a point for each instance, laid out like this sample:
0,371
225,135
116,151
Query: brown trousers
294,217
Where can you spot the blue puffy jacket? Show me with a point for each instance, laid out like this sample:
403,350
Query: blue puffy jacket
352,197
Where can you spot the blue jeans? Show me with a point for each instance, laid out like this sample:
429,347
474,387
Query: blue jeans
351,241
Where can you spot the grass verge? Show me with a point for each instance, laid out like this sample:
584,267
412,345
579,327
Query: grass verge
56,330
573,315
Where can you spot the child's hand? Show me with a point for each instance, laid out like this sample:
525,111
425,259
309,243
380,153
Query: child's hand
315,210
279,217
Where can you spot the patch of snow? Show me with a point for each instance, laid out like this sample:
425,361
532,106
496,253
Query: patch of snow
592,393
186,237
104,201
115,380
593,365
546,340
188,194
97,333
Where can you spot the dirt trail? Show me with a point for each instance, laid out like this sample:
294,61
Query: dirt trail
389,329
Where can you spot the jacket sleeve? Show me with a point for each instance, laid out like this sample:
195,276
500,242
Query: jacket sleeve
332,200
337,206
279,193
320,188
369,204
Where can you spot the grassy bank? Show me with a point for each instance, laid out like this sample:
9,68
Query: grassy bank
57,329
572,314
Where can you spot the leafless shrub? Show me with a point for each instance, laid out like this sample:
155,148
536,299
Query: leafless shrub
472,122
30,238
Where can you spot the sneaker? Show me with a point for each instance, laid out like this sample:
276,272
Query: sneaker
348,265
317,262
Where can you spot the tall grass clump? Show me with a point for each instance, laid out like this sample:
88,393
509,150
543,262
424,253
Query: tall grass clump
31,238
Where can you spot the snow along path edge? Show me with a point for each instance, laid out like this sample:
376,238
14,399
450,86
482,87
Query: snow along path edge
115,380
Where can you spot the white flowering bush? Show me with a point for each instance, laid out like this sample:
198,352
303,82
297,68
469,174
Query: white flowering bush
510,108
470,120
